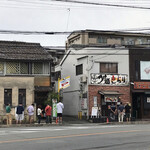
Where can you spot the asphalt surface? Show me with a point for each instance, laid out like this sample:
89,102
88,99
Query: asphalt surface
76,138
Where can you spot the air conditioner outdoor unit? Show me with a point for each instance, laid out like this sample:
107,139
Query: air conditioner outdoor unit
83,79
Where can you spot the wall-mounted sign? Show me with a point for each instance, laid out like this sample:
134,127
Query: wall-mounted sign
145,70
141,85
109,79
84,103
111,98
148,99
63,83
95,101
54,103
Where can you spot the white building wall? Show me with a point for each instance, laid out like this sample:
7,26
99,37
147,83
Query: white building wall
90,58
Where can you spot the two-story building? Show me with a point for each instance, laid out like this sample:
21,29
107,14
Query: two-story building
99,64
140,81
24,74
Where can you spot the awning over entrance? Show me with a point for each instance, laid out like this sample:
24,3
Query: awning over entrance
109,93
42,88
110,96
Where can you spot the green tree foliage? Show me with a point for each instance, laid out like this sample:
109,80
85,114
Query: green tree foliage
51,95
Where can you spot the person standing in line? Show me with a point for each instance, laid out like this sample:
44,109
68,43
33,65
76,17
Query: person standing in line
109,113
60,107
127,111
20,113
121,111
30,111
48,112
39,112
113,111
8,114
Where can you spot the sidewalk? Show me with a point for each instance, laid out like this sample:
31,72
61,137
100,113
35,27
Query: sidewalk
69,121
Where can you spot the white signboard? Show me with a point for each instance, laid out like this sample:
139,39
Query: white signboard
145,70
94,111
84,103
95,101
54,107
148,99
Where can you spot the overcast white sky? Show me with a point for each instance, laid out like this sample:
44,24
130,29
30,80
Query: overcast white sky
52,16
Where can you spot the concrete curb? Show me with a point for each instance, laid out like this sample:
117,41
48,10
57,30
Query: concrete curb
73,124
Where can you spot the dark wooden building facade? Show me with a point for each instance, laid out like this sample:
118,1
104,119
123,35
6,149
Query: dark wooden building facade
140,82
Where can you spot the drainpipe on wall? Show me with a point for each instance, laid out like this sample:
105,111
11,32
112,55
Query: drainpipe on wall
87,89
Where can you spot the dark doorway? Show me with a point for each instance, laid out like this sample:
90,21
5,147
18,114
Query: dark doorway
40,98
137,105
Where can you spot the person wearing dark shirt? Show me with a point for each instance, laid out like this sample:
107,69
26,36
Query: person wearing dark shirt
121,111
113,111
19,113
128,111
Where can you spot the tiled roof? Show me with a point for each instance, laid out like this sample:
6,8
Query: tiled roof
11,50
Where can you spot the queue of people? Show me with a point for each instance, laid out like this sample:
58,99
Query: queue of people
19,113
120,113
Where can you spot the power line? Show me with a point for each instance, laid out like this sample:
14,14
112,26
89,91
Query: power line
69,32
31,32
81,2
101,4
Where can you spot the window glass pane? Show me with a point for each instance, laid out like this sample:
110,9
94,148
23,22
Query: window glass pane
79,69
8,96
12,68
24,68
22,96
1,68
108,67
37,68
103,68
101,39
46,68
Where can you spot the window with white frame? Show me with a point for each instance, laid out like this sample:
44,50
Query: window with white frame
109,67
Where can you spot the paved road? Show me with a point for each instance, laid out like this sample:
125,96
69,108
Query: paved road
76,137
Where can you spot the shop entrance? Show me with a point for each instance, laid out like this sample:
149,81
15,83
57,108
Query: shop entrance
137,106
141,105
40,98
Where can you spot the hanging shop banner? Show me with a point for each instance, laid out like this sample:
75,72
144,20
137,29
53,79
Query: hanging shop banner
64,83
54,102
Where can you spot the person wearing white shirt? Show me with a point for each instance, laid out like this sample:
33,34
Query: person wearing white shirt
39,111
60,107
